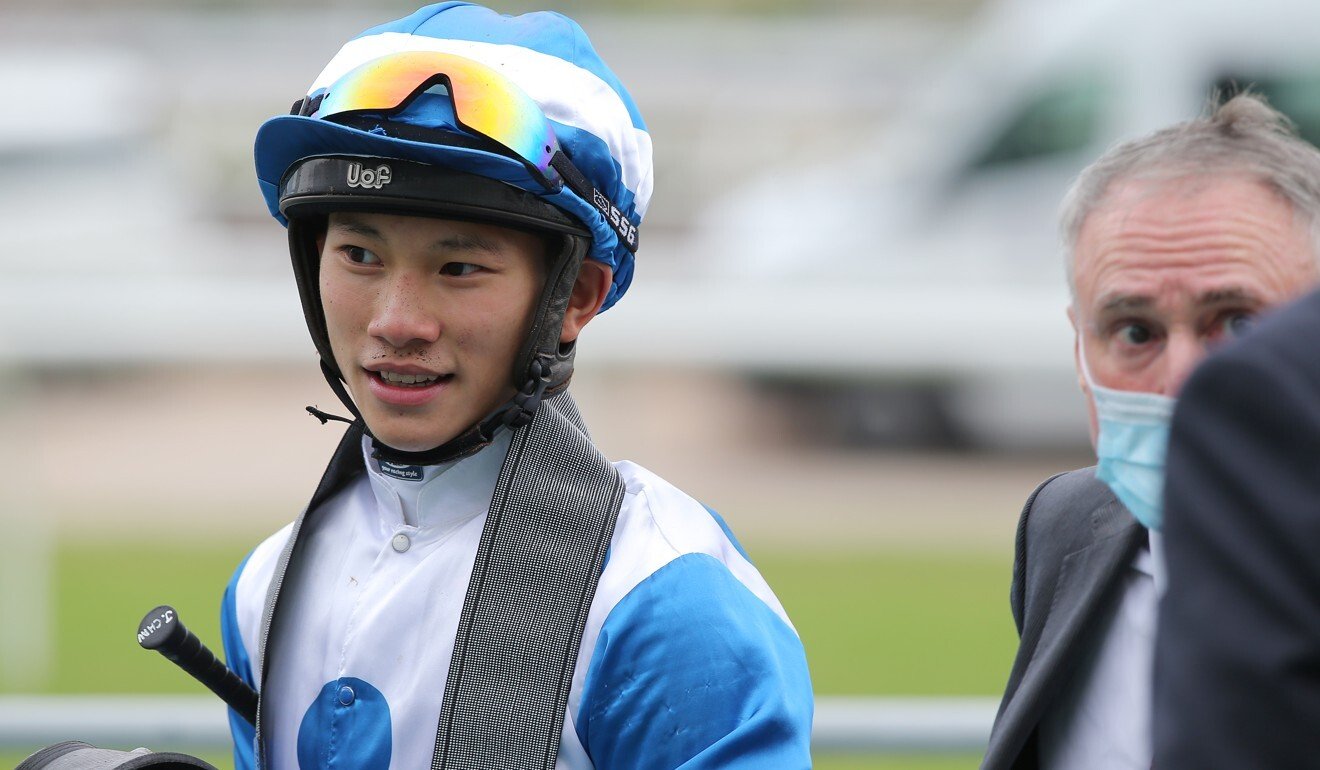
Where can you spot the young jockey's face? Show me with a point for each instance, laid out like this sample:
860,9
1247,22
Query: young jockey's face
425,318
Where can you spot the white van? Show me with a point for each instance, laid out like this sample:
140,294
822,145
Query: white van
927,264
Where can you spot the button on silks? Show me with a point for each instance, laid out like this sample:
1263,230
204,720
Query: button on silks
346,696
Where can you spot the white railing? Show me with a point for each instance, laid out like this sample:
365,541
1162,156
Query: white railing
903,725
861,724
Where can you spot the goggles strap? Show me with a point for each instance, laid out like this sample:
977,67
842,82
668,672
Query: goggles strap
617,220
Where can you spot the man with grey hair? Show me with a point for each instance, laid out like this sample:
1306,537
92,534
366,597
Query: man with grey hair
1175,242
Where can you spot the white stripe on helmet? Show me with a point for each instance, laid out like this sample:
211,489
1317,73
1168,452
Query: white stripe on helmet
566,92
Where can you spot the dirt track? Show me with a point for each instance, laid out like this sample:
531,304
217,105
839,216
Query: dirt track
183,452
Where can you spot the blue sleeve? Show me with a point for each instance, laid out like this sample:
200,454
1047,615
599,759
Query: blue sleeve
237,658
693,671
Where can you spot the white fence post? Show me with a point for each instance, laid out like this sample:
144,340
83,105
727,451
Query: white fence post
26,547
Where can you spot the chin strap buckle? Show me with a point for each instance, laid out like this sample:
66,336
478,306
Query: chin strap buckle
525,403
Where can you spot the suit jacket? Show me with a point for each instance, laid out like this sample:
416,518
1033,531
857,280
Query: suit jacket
1074,541
1237,658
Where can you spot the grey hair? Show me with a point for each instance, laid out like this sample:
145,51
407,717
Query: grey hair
1244,135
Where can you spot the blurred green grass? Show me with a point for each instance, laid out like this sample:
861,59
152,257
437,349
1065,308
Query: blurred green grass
874,622
898,622
104,589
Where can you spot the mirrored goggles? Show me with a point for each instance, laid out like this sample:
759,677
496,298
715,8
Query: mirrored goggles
486,104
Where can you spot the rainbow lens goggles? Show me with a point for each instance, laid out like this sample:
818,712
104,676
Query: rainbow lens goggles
486,105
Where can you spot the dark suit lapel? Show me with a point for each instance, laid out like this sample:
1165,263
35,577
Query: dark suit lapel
1084,588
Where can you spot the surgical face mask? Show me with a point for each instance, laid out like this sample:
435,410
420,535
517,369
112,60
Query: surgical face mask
1131,446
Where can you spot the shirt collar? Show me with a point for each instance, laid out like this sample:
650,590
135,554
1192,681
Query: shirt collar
1150,560
1158,570
435,496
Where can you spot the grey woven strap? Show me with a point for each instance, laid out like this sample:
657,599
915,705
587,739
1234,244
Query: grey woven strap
541,554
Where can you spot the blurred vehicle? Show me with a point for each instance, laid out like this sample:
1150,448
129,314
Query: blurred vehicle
110,254
914,287
907,287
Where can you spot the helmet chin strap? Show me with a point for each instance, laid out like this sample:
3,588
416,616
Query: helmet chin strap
514,413
545,368
542,368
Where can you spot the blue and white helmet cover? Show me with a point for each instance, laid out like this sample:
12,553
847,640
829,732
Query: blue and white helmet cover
545,54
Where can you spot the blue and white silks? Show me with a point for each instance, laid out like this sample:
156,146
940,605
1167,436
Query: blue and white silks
687,659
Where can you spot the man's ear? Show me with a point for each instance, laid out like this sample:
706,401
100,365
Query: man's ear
589,292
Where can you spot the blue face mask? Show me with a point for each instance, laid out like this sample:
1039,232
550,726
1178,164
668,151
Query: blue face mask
1133,441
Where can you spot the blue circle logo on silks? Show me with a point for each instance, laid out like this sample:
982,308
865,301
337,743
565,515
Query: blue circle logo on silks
347,725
